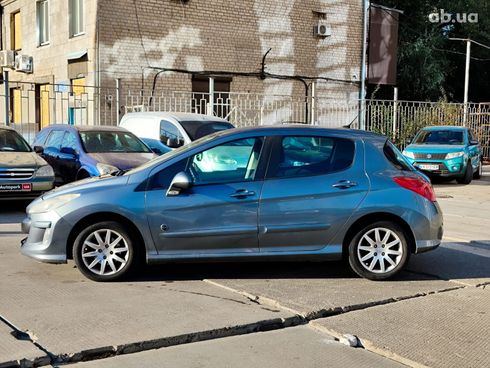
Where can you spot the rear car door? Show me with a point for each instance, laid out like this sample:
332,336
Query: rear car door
313,185
218,215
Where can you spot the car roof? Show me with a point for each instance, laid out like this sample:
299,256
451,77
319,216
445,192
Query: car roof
6,127
304,129
179,116
444,127
85,128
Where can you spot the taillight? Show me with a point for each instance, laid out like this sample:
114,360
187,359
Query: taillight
418,186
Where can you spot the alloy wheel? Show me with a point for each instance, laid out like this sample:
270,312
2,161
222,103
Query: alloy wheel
105,252
380,250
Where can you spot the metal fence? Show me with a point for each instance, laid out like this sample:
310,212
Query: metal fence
29,107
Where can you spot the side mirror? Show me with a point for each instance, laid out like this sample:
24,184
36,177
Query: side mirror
408,141
473,142
173,143
68,151
179,183
38,149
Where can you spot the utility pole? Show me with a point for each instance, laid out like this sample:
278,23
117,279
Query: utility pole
467,71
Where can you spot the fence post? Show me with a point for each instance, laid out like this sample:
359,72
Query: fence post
118,100
210,109
7,98
313,103
395,112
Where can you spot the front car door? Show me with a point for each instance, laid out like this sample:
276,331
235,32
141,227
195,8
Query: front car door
313,185
474,150
52,151
218,215
69,163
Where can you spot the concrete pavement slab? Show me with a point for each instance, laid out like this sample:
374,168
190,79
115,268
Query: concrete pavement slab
296,347
70,314
444,330
458,262
315,288
13,350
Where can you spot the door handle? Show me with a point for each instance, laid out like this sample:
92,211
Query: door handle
344,184
242,193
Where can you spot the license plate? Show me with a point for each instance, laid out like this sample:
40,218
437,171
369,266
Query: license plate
26,187
428,167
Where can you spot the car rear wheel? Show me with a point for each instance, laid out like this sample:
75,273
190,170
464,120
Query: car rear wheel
104,251
468,175
379,251
479,171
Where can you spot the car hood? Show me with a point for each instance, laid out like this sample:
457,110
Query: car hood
93,183
122,160
20,160
435,148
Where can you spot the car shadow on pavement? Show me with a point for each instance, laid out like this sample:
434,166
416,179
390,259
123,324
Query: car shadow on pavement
441,264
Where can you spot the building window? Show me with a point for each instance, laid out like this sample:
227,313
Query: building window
78,86
15,31
42,22
77,25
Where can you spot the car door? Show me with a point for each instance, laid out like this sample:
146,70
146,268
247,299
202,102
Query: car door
474,150
312,187
68,162
218,215
52,150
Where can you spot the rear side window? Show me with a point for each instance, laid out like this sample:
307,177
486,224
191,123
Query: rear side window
310,155
395,157
55,138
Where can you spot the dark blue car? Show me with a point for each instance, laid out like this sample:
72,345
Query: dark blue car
78,152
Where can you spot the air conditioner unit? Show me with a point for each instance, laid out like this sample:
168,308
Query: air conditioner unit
23,63
7,58
322,29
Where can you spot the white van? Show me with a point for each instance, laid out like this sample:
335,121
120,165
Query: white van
172,129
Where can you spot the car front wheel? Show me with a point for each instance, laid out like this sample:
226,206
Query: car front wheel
104,251
467,176
379,251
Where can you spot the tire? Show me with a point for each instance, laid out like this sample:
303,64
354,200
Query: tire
479,171
468,175
364,256
99,257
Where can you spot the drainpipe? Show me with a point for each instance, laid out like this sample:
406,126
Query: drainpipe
362,92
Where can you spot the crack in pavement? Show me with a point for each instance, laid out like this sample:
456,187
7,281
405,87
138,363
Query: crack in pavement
26,335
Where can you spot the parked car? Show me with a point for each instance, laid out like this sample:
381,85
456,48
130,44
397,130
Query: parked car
78,152
23,174
446,151
300,193
173,129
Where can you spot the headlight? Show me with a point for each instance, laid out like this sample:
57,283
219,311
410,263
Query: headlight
105,169
51,203
408,154
44,171
454,155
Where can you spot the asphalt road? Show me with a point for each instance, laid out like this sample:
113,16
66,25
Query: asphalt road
436,314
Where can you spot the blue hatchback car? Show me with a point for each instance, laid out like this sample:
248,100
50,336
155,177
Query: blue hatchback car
446,151
294,192
78,152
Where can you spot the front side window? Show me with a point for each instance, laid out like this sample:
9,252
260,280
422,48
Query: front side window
107,141
235,161
77,25
55,139
439,137
70,141
11,141
309,156
42,22
170,131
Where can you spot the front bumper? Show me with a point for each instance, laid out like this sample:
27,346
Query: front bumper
47,237
445,168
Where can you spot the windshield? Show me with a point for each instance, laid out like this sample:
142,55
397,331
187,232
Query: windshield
439,137
107,141
11,141
199,129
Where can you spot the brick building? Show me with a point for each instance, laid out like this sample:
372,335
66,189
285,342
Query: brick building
79,43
